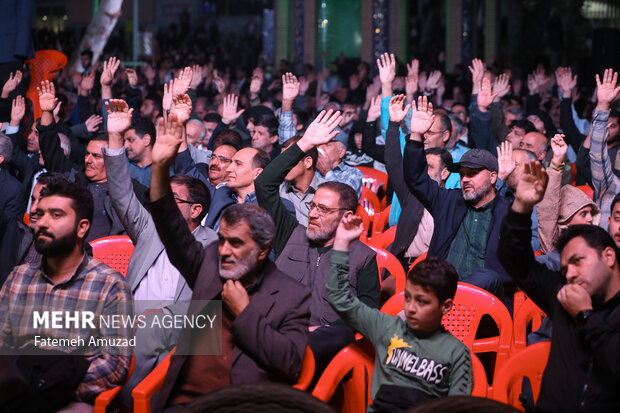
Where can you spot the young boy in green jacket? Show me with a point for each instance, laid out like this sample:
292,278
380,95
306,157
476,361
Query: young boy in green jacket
416,359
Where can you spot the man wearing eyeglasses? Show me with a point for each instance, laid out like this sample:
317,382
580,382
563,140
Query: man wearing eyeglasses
151,275
303,252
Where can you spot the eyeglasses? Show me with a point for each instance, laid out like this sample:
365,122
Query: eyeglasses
321,209
220,158
183,201
431,133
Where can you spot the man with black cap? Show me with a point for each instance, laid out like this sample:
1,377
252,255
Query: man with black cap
467,220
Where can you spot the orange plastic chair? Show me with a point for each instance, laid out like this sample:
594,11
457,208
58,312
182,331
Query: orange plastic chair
530,363
470,304
361,212
144,391
150,385
370,202
104,399
43,67
382,240
380,221
527,312
357,358
417,260
586,189
373,180
26,219
481,384
385,260
114,251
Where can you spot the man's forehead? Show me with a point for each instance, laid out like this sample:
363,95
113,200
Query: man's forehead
225,150
56,202
326,197
244,154
240,229
95,146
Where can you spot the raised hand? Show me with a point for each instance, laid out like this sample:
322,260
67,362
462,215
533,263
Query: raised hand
566,81
531,187
304,84
606,91
477,71
229,109
505,160
197,77
119,116
182,107
536,80
349,229
422,117
290,87
397,112
109,69
132,77
93,122
434,80
559,148
387,68
87,83
10,85
166,102
411,82
182,82
485,95
374,111
18,110
47,96
321,130
501,87
169,139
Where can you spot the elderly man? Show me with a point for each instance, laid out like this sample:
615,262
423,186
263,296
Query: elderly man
466,220
582,302
303,252
265,313
67,280
332,168
13,196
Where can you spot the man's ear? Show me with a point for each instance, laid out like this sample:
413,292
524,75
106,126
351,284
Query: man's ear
444,174
609,255
256,172
147,139
342,150
307,162
263,253
493,176
445,136
82,228
446,306
273,139
195,210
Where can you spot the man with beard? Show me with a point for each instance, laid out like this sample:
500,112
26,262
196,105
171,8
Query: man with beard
303,253
65,279
467,221
264,314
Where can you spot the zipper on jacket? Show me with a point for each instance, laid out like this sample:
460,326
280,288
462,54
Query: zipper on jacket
585,385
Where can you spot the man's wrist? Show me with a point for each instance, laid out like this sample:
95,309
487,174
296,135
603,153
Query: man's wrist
556,165
602,106
582,316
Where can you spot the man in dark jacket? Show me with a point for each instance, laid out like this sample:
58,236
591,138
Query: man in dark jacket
467,220
264,314
583,303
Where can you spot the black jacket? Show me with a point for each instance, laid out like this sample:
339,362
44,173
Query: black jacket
583,370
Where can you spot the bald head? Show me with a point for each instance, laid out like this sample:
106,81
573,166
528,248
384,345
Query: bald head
535,142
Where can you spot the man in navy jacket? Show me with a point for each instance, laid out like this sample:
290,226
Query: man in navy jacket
467,220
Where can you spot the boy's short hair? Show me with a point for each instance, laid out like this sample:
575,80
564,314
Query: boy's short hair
437,275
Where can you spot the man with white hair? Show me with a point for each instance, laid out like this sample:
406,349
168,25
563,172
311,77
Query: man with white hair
331,166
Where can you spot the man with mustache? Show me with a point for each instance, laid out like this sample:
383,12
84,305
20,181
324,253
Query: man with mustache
68,280
265,313
467,221
105,221
303,252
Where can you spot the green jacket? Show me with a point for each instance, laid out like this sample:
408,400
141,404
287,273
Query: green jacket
437,364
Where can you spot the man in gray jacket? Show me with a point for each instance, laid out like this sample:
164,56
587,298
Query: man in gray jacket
151,275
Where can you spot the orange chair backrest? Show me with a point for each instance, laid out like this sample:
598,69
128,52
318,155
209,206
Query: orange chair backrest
373,179
380,220
527,311
382,240
370,202
586,189
385,260
417,260
357,358
361,212
43,67
470,304
307,371
530,363
114,251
